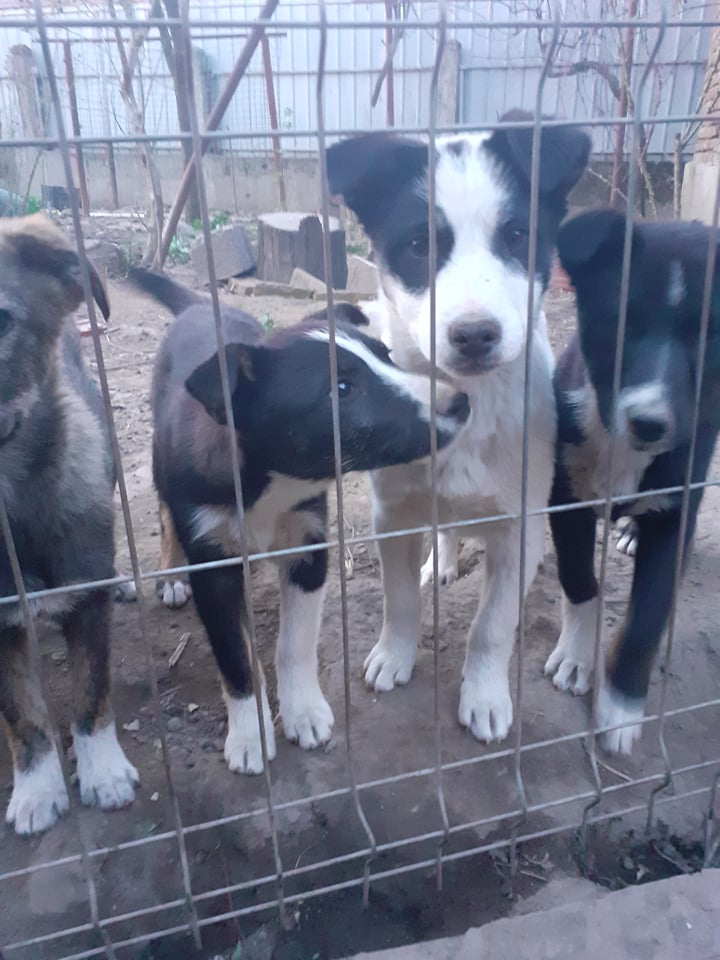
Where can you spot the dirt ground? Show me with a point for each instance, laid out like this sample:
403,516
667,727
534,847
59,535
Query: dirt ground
391,736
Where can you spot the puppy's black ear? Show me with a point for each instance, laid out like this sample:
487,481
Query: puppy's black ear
349,313
368,171
591,235
205,382
564,152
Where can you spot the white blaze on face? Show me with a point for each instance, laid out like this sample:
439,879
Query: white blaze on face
472,194
411,386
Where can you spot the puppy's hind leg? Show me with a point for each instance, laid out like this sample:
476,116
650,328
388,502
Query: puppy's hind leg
392,659
306,715
174,590
447,560
39,795
107,778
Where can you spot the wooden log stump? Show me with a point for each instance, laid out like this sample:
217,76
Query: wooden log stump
290,240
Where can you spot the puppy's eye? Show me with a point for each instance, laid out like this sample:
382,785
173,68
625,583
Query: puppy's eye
420,245
343,389
515,235
6,322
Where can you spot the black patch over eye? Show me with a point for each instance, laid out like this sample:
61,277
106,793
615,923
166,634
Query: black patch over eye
6,322
344,388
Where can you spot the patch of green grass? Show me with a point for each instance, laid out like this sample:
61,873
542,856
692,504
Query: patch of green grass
178,251
217,220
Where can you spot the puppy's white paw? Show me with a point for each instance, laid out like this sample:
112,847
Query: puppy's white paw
447,570
174,593
390,662
126,592
107,778
626,537
243,753
486,708
614,708
39,796
571,662
306,715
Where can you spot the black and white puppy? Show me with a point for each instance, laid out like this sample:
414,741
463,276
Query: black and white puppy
653,419
281,400
482,213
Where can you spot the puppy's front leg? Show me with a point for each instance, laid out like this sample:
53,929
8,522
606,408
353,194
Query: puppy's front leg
39,796
622,696
573,531
107,778
392,658
485,702
306,715
218,596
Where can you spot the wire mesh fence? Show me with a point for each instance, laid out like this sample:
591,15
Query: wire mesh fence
401,791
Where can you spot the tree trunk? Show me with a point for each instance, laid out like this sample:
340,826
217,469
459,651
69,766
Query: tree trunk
289,240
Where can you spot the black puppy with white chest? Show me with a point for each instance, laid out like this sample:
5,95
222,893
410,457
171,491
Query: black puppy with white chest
653,417
280,386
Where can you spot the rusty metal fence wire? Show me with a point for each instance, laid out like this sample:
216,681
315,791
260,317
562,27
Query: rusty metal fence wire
279,889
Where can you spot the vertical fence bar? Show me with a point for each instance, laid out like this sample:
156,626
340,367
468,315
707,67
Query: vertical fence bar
337,445
117,458
529,330
197,145
598,668
434,517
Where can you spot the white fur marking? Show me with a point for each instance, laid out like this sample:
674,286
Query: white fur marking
243,752
107,778
176,593
571,662
447,560
486,708
676,284
614,708
306,715
39,796
220,524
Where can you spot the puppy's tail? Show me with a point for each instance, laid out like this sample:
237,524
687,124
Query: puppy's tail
174,296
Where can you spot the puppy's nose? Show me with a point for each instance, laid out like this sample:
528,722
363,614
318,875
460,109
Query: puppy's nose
649,428
475,337
458,408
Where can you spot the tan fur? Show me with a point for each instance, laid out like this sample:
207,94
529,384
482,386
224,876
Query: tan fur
171,551
26,720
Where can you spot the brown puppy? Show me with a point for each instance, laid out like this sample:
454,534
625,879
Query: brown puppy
56,480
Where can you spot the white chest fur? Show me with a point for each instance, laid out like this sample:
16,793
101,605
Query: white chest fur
267,524
480,474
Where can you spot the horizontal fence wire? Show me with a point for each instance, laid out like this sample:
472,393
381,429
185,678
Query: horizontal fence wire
596,798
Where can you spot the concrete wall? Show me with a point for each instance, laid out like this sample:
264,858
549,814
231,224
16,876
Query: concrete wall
700,179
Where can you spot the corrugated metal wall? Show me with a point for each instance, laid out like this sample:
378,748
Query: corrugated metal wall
500,67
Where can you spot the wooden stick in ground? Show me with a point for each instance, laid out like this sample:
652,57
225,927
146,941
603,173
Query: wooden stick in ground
213,122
